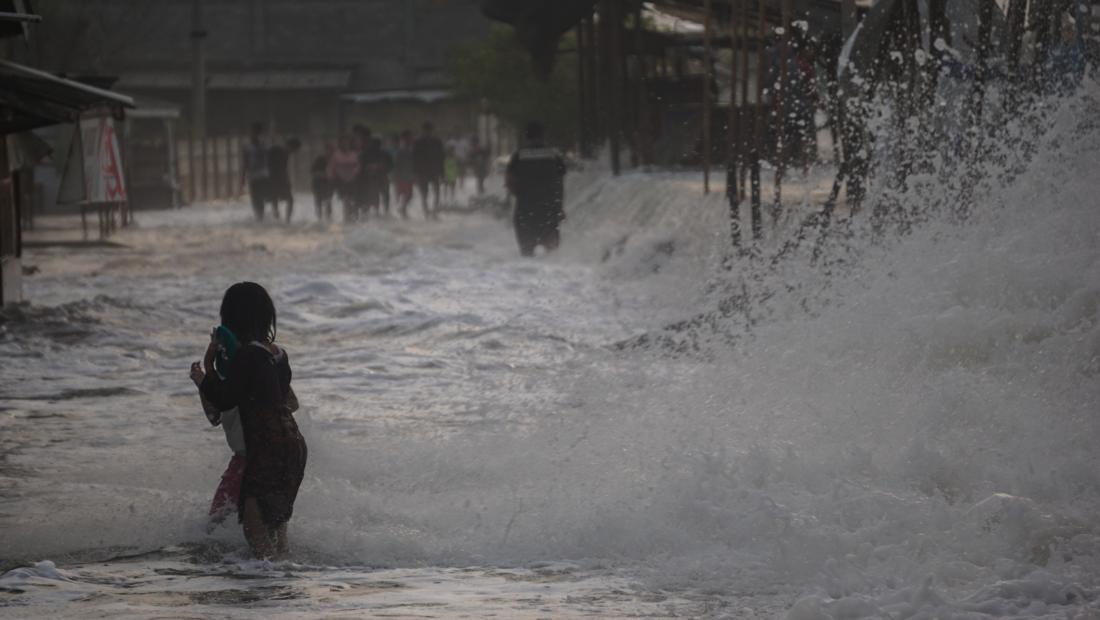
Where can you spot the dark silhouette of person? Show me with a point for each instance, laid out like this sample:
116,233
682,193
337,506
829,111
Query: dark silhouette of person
536,177
428,159
376,165
479,163
254,169
360,187
278,162
323,185
403,176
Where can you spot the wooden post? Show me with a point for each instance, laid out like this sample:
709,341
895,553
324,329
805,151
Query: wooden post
583,128
938,29
742,152
207,186
611,18
781,110
707,69
758,117
1041,19
235,146
218,186
626,102
639,111
592,73
985,31
733,154
1014,38
193,169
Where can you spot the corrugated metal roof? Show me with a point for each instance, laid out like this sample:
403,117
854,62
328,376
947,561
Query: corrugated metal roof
32,98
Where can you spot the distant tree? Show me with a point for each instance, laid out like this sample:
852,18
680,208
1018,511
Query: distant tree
497,69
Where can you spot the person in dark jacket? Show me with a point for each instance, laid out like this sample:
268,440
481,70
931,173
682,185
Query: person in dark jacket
360,187
257,383
536,177
278,162
322,184
428,159
403,177
254,169
376,165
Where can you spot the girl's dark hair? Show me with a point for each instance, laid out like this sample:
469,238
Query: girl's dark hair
248,312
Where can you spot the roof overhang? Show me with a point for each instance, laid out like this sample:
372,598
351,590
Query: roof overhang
31,98
148,108
258,79
384,96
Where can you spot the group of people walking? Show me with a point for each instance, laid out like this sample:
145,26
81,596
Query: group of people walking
365,174
368,176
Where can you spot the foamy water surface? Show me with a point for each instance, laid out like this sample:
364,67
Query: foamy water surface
909,432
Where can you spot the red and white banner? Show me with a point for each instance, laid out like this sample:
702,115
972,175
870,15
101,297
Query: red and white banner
103,181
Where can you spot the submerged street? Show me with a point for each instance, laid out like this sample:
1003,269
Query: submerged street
481,444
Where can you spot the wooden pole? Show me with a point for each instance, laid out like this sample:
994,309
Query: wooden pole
582,94
198,77
781,110
758,117
1040,18
938,29
616,60
985,32
742,152
218,186
193,159
592,75
609,46
640,142
1017,15
707,70
207,185
733,153
626,102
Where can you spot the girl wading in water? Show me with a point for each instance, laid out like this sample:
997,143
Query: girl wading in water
257,382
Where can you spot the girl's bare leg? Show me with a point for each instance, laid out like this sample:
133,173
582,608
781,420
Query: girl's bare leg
255,530
282,543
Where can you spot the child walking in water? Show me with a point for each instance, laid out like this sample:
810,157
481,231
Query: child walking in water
257,383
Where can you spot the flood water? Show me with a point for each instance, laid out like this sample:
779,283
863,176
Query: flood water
909,432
